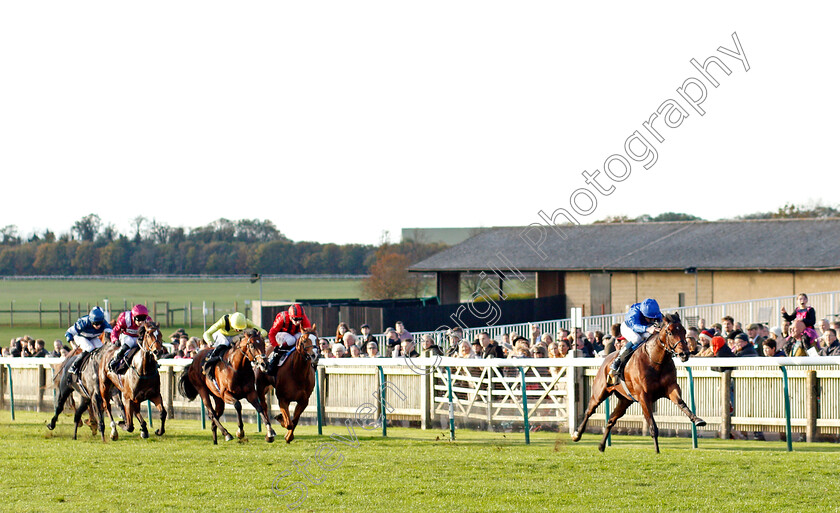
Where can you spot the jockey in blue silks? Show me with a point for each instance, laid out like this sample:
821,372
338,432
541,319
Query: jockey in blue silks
638,325
85,333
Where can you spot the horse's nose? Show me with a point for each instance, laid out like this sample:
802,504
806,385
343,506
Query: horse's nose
684,357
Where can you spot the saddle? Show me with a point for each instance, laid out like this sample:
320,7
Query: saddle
125,362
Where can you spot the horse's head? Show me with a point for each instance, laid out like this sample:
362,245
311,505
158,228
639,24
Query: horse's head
306,343
149,337
253,346
672,336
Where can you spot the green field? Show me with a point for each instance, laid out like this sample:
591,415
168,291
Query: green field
410,471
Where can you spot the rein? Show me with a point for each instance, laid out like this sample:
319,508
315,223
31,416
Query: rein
668,350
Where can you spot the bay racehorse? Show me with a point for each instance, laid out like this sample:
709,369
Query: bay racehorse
230,380
141,382
87,386
293,382
649,375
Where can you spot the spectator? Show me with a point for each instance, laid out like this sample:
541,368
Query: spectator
743,346
590,337
694,346
785,328
477,349
824,326
175,337
465,350
4,352
585,347
565,349
372,350
609,346
507,349
393,339
324,348
490,348
339,350
535,334
770,348
402,333
40,352
546,339
721,350
563,334
831,347
355,352
754,335
349,341
705,340
598,344
429,346
728,330
340,330
799,342
701,324
455,337
407,349
366,336
539,352
806,314
57,345
65,351
505,338
776,333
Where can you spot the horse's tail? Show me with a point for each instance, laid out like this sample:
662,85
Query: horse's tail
185,386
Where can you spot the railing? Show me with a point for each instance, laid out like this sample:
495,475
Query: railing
489,394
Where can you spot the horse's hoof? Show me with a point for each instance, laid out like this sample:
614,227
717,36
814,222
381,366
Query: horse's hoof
601,448
114,436
240,434
289,437
144,434
269,439
699,422
215,442
159,432
51,425
271,432
228,437
575,436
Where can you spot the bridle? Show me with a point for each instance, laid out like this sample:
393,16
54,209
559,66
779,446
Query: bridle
306,348
669,350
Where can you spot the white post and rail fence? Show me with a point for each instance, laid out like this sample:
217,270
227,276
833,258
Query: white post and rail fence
797,397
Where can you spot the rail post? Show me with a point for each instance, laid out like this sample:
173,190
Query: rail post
318,404
788,433
451,405
726,405
811,406
203,415
607,419
693,407
149,411
525,408
11,390
382,403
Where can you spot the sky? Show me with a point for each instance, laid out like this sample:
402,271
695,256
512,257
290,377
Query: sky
341,120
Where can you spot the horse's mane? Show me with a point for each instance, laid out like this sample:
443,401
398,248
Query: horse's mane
673,318
251,332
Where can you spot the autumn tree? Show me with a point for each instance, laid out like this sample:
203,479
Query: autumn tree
389,277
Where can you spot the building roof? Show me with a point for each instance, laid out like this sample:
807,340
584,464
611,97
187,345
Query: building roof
777,244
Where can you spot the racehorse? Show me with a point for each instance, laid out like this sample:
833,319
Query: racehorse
649,375
293,381
141,381
230,380
88,390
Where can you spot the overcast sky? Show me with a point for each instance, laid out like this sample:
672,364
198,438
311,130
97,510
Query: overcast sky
338,120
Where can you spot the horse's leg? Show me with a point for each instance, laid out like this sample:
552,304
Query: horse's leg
220,409
647,410
283,416
240,431
675,395
63,393
254,399
129,414
618,412
114,432
599,394
208,405
299,407
100,416
138,412
83,405
158,402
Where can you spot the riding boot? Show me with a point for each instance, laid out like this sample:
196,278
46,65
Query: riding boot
115,362
619,360
275,358
76,367
214,357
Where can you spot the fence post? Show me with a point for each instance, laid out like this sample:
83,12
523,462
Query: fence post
170,392
11,391
2,386
725,405
490,398
693,408
425,411
12,314
788,431
571,398
607,419
40,316
149,412
42,383
190,315
451,405
203,415
811,406
525,408
382,403
319,404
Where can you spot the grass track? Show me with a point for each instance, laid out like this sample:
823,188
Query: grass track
411,470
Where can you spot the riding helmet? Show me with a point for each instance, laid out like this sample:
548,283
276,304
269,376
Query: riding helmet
237,321
650,309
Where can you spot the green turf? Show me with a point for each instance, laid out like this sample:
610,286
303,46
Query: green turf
411,470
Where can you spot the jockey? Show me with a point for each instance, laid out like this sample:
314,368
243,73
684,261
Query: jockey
125,332
85,333
284,333
220,335
638,325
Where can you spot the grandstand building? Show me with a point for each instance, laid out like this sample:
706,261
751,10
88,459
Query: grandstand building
605,267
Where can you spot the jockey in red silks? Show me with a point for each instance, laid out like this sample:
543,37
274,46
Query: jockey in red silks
125,332
284,333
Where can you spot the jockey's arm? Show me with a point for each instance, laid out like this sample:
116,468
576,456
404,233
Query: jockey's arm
208,335
254,326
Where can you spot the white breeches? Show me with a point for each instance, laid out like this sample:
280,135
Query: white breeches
128,340
285,339
220,340
87,344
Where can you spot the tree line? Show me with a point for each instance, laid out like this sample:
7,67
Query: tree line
222,247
